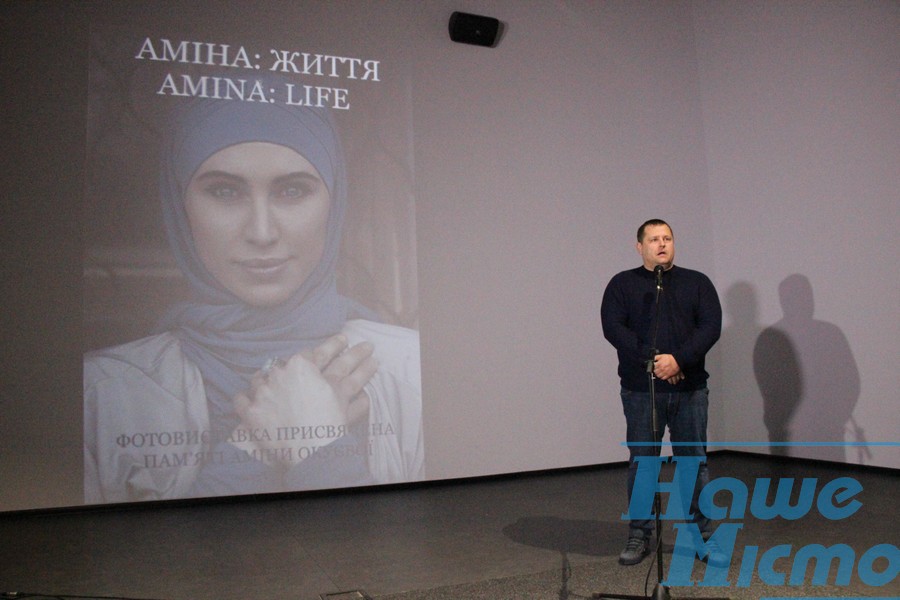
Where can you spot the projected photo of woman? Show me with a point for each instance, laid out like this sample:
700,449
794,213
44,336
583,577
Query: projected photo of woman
267,379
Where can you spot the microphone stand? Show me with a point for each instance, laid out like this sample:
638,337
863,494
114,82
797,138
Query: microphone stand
660,592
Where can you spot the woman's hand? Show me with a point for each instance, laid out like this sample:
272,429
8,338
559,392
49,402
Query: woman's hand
319,391
348,370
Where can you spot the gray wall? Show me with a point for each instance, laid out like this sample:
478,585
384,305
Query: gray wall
766,133
539,159
802,131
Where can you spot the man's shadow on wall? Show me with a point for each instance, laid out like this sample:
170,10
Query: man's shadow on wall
742,409
807,377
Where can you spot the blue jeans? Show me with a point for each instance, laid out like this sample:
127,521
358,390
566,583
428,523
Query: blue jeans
685,415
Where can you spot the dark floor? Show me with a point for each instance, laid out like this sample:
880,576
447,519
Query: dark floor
388,541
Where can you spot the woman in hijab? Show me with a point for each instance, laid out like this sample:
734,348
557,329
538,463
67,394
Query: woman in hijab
268,379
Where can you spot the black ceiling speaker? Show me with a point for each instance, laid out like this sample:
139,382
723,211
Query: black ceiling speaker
466,28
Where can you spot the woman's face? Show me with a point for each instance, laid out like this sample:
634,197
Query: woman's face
258,214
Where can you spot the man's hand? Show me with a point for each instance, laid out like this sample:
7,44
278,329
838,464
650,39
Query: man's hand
665,367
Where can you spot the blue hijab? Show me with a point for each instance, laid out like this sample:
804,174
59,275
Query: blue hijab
227,339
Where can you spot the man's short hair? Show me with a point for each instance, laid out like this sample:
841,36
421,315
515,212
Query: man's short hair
650,223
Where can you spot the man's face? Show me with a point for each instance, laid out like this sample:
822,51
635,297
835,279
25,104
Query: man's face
657,247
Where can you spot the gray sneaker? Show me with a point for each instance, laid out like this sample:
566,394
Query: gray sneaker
636,548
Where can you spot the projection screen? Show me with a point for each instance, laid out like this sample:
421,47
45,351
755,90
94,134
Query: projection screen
250,321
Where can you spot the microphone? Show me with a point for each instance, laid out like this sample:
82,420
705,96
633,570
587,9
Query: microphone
659,271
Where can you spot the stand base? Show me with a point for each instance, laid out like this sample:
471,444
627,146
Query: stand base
660,592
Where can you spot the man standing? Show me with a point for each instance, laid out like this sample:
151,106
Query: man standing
686,324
